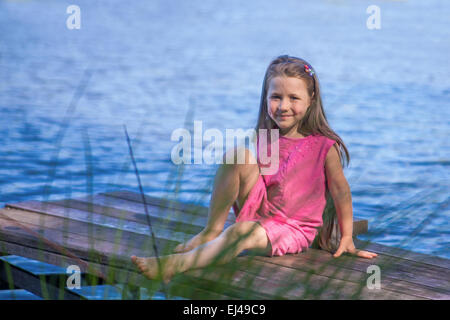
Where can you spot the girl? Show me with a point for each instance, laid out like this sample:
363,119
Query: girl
281,213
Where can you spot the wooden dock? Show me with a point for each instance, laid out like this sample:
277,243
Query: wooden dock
99,233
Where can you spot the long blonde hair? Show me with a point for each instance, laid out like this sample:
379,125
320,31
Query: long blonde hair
314,122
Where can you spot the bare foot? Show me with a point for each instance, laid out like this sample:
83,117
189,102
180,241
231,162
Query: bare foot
149,267
197,240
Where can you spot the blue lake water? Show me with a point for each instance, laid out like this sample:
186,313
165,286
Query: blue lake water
157,64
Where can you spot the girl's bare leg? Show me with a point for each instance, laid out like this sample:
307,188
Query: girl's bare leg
232,183
236,238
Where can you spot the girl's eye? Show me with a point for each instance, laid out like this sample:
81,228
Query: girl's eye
275,97
295,98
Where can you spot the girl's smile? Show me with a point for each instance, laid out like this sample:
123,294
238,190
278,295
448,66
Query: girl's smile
287,103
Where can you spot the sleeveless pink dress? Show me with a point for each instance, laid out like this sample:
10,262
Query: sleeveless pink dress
289,204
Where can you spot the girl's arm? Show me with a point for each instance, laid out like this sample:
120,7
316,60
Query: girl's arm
342,197
340,191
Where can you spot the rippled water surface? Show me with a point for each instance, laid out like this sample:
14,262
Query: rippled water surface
158,64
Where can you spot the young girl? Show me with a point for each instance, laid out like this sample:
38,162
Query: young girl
281,213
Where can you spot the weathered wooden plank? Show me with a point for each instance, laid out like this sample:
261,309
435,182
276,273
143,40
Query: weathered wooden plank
386,293
401,278
100,251
113,253
79,229
50,242
329,286
100,292
201,296
33,266
114,275
106,250
41,284
233,286
319,262
61,260
135,211
144,294
121,260
195,293
85,229
228,289
165,203
51,273
280,282
40,254
30,241
396,268
57,211
97,219
124,212
236,287
404,254
22,237
18,294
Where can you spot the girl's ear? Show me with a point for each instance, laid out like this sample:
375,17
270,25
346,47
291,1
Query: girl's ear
311,100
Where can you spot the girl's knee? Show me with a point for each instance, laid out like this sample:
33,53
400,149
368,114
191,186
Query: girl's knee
249,234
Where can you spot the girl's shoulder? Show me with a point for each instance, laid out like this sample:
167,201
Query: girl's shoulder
323,144
324,139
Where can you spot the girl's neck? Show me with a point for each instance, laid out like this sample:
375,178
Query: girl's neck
294,134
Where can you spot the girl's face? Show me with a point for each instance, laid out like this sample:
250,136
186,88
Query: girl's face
287,102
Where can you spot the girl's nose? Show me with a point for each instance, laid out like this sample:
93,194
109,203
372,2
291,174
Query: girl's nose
284,105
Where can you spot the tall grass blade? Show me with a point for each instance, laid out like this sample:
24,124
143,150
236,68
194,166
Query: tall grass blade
147,215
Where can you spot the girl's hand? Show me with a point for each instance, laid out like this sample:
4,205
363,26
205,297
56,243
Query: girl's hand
347,245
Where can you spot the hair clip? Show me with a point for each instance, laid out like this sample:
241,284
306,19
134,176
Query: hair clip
308,70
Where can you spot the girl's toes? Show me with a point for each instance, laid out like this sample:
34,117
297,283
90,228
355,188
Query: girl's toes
139,262
142,266
136,260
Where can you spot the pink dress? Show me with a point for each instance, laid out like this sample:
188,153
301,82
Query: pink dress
289,204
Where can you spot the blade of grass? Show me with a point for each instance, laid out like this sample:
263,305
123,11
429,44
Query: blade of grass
147,215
